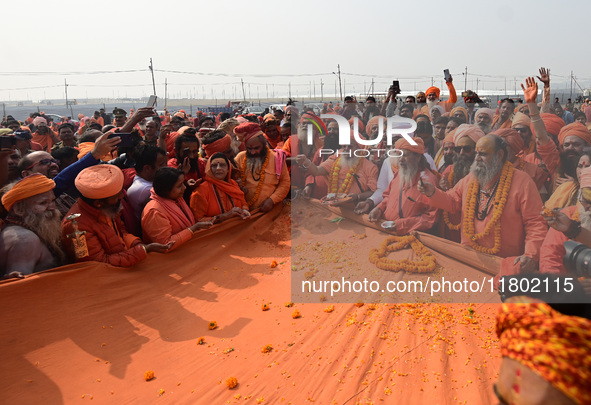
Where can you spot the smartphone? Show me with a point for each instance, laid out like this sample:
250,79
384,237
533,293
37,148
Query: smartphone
126,140
152,101
186,152
7,141
447,75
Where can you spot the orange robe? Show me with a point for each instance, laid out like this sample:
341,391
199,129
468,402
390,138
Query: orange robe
45,141
205,205
537,174
165,220
522,227
417,215
273,187
454,218
564,196
368,175
447,105
506,124
553,250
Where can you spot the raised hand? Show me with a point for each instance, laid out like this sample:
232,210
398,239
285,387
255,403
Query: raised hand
531,92
544,76
559,220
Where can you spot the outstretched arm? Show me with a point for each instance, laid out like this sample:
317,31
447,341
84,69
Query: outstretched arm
531,93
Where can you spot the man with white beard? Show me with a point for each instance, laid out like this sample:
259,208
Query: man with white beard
483,119
432,95
30,236
345,173
401,203
566,224
500,206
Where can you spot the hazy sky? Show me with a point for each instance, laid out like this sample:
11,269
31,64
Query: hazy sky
269,43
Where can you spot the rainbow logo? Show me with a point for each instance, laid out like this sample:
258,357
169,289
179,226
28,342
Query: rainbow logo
321,127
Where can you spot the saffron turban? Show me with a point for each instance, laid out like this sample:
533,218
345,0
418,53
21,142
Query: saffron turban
520,119
247,130
28,187
100,181
512,137
183,129
228,125
521,107
585,180
374,122
309,116
433,89
471,131
361,125
486,111
552,123
269,117
553,345
80,116
575,129
293,109
39,120
403,144
459,109
449,137
221,145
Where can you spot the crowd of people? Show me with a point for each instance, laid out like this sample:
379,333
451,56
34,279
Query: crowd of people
514,181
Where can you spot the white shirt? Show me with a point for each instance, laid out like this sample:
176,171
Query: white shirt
138,193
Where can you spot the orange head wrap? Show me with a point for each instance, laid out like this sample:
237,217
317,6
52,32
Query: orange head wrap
520,119
360,123
247,130
471,131
552,124
459,109
100,181
221,145
403,144
512,137
373,122
554,345
269,117
433,89
450,137
29,186
576,129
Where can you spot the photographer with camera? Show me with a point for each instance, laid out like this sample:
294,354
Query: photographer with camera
571,223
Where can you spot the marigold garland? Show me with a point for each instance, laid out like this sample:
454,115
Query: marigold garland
394,243
450,225
267,349
334,177
499,205
257,192
296,314
213,325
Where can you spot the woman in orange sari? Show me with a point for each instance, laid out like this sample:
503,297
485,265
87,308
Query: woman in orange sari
218,197
167,217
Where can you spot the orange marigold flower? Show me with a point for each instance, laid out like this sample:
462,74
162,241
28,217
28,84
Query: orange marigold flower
148,375
289,304
213,325
266,349
231,382
265,307
161,392
329,308
296,314
359,304
201,341
273,264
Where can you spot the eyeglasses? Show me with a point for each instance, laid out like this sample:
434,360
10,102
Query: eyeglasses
467,149
44,162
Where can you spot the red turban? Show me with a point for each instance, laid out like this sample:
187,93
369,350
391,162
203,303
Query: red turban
433,89
100,181
403,144
28,187
471,131
553,345
575,129
552,124
221,145
247,130
512,137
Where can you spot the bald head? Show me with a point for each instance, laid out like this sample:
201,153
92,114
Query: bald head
38,162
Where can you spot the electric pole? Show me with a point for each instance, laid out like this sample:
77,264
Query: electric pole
466,79
243,92
153,81
166,92
321,90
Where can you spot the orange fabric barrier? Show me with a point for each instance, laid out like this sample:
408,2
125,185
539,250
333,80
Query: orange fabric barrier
91,331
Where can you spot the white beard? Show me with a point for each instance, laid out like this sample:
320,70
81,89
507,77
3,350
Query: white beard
487,172
486,128
432,104
408,173
347,162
